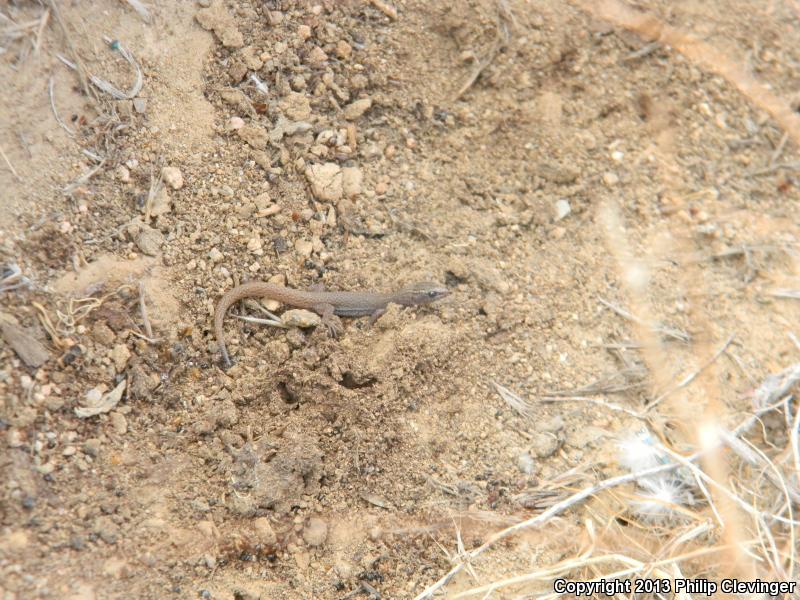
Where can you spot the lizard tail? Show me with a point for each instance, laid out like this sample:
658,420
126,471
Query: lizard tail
219,316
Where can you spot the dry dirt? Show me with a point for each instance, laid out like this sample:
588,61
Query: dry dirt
456,135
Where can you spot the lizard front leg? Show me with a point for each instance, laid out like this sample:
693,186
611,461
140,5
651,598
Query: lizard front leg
331,322
375,316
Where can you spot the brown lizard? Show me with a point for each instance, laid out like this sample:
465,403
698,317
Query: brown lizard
329,305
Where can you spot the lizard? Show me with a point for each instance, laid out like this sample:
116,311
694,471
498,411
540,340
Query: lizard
329,305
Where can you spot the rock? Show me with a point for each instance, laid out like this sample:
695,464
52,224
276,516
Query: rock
255,135
326,181
300,318
141,384
317,57
610,179
14,438
30,350
227,414
304,248
556,173
120,355
553,425
249,56
215,255
543,445
123,174
296,107
119,423
161,203
234,124
302,560
215,18
92,447
344,569
315,532
304,32
173,177
237,99
140,105
284,126
102,333
115,567
352,178
149,240
262,159
343,50
357,108
562,209
14,540
264,532
106,529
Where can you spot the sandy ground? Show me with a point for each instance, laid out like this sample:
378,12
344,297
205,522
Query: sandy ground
519,152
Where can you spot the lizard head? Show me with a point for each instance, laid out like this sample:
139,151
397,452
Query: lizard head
423,292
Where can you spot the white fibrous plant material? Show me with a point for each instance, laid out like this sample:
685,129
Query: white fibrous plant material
640,451
660,496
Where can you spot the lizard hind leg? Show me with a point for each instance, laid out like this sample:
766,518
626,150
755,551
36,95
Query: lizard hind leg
329,320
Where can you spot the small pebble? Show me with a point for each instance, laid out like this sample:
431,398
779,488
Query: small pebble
352,178
355,109
123,173
562,209
120,355
610,179
543,445
173,177
315,532
343,50
264,532
304,32
235,123
149,240
300,318
304,248
119,423
215,255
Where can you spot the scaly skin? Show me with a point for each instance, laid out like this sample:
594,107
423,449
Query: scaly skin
329,305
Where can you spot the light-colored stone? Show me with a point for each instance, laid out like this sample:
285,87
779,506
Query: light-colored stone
123,174
120,355
149,240
317,57
296,107
352,178
161,203
562,209
326,181
357,108
610,179
304,248
255,135
173,177
298,317
315,532
215,255
234,124
264,532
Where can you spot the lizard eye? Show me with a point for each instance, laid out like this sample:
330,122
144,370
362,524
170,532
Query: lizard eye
432,294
